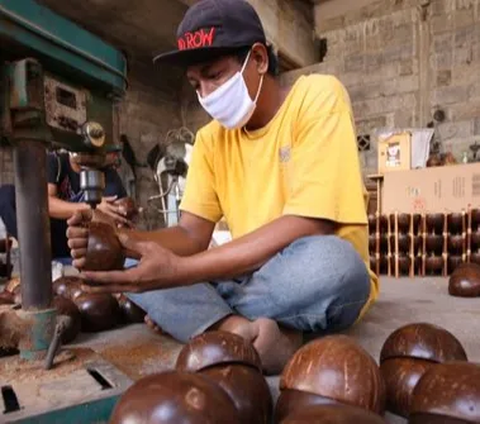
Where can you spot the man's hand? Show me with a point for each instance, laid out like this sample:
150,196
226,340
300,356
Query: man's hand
159,268
109,208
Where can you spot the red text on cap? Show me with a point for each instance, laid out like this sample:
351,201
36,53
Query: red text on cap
197,39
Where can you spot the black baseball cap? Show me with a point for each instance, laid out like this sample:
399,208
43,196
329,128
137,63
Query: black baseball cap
212,28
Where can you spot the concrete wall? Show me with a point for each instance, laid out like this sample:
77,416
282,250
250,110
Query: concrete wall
401,61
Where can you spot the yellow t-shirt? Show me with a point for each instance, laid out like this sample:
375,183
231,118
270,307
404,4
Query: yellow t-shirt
304,162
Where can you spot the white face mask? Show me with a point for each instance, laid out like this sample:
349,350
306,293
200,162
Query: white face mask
231,104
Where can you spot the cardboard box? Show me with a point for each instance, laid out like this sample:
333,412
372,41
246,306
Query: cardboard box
394,153
444,189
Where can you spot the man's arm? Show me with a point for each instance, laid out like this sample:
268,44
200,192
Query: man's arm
191,236
61,209
250,252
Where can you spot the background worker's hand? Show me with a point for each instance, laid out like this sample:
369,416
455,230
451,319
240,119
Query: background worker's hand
117,213
159,268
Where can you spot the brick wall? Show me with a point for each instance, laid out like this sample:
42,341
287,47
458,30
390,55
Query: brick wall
151,108
401,61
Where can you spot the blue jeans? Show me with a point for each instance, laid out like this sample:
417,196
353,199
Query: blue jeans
316,284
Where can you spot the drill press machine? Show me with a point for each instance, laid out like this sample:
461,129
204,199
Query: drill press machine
58,87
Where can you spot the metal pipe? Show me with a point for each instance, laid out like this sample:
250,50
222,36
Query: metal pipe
33,222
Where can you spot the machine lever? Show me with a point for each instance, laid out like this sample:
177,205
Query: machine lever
61,326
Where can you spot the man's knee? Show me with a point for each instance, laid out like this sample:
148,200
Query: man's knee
315,275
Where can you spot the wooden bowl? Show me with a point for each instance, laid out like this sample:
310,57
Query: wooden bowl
434,265
373,263
475,257
4,243
403,222
455,223
104,251
383,264
214,348
332,414
434,244
383,223
247,388
453,263
475,219
131,312
465,281
423,341
174,397
403,264
417,223
475,240
435,223
338,368
401,375
455,244
99,311
372,223
403,243
290,401
456,389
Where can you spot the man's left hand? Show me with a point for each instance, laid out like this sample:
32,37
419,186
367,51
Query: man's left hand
158,268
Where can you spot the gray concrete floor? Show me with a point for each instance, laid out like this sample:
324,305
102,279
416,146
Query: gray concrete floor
138,352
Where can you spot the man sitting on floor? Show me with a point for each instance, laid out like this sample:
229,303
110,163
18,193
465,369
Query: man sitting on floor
281,165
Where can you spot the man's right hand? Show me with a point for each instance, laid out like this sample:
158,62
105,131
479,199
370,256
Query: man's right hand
77,233
113,211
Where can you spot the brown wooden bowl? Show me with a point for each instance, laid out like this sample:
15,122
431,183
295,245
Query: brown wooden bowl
373,263
434,419
435,222
401,375
99,311
403,243
434,244
465,281
456,392
434,265
403,222
128,207
423,341
455,244
104,251
417,223
178,398
290,401
131,312
475,219
214,348
475,240
336,367
247,388
383,264
453,263
383,223
333,414
455,223
475,257
403,264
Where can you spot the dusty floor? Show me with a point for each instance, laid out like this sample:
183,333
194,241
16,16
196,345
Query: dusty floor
137,351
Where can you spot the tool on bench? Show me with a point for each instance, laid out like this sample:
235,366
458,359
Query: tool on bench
59,88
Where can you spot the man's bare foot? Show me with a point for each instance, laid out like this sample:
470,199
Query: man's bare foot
151,324
275,345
